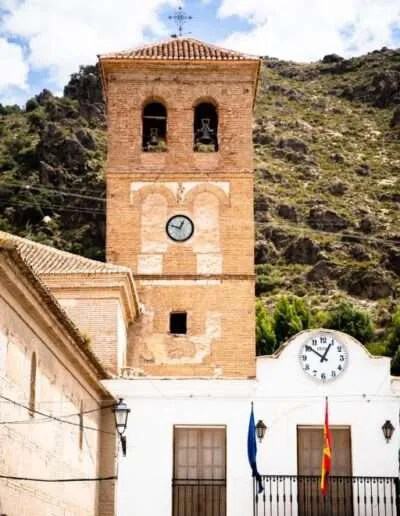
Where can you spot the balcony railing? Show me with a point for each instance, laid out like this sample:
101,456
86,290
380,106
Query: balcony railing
285,495
198,497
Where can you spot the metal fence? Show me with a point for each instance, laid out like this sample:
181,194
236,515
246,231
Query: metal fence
291,495
198,497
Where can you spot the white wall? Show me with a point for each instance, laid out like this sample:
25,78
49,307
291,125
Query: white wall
363,397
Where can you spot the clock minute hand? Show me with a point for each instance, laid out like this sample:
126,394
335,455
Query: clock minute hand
316,352
323,357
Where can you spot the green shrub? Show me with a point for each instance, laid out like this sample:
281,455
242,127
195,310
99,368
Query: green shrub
291,316
393,340
349,319
265,334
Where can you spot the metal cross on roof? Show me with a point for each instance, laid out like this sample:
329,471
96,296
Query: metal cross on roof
180,18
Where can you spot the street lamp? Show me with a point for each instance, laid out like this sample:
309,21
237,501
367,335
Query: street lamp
121,413
260,429
387,429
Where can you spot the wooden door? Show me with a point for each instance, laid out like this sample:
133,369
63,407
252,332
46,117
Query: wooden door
339,499
199,483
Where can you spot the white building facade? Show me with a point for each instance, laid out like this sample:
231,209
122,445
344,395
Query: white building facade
177,425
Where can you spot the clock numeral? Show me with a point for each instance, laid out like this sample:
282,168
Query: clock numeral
315,372
341,358
314,342
306,367
322,340
333,374
323,376
340,367
304,357
339,348
307,348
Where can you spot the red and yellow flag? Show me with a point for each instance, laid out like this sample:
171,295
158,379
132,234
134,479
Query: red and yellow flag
326,453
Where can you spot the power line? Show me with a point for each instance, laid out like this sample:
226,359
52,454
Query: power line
30,479
55,418
48,419
56,191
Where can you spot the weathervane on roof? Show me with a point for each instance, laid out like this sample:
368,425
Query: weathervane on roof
180,18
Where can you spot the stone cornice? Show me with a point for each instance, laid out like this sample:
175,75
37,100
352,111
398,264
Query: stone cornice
119,286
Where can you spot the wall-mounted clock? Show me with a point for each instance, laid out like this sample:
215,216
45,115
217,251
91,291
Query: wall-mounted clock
323,357
180,228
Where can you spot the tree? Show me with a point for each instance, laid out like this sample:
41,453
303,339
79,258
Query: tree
291,315
349,319
265,334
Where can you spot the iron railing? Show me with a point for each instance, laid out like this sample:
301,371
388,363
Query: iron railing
198,497
300,495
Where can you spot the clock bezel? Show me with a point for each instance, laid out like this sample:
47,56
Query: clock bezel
179,240
338,341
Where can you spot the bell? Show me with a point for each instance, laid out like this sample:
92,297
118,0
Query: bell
205,132
153,136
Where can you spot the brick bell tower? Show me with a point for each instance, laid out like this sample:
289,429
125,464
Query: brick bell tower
180,203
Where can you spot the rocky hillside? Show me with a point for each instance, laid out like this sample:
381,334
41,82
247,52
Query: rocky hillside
327,147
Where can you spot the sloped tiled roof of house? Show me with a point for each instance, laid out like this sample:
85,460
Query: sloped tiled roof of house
47,260
181,49
11,247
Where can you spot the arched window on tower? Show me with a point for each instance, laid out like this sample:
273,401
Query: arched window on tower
154,127
205,128
32,386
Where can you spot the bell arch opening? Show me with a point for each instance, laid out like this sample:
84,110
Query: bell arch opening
154,128
205,128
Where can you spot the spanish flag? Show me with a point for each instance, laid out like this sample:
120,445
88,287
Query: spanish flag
326,453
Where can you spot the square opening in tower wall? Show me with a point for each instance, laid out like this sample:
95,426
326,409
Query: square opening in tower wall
178,323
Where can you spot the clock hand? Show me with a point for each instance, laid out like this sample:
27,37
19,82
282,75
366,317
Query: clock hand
182,223
176,227
326,352
309,348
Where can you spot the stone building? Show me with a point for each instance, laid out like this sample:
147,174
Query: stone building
47,371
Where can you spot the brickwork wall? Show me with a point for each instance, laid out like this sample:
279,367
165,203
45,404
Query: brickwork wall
98,319
44,449
220,329
215,190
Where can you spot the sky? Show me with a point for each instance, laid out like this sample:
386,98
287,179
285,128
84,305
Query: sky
42,42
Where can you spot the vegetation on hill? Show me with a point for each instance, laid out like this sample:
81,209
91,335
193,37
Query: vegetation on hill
327,190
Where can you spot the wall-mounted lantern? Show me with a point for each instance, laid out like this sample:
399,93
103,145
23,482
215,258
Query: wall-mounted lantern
121,413
387,429
260,429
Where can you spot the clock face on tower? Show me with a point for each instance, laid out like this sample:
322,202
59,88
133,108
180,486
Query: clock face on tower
180,228
323,357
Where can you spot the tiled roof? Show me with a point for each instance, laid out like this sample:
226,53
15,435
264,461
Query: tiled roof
181,49
47,260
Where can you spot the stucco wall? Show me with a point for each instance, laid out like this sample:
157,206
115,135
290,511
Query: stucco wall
363,397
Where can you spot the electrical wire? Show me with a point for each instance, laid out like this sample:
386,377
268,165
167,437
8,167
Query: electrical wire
49,419
30,479
56,191
55,418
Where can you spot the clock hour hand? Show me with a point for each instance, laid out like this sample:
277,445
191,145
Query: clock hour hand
182,223
176,227
322,357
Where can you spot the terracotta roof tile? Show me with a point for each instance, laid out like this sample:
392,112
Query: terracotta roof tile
181,49
48,260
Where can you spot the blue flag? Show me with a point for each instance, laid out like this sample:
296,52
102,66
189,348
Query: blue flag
252,450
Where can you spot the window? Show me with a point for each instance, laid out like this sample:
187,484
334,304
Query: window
199,481
32,386
205,128
178,323
154,128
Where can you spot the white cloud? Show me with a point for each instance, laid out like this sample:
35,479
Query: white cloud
305,30
14,68
61,35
